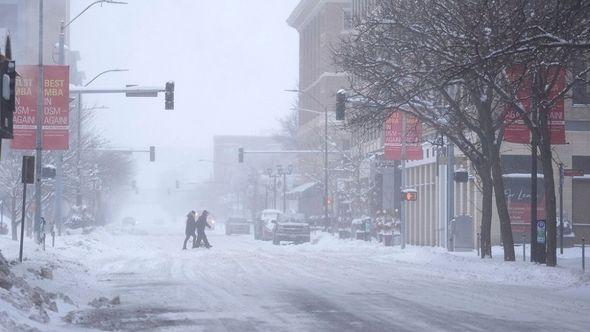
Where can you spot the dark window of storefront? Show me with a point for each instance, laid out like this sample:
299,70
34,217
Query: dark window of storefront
581,90
518,164
580,195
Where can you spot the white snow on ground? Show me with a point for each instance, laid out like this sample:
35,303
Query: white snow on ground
329,284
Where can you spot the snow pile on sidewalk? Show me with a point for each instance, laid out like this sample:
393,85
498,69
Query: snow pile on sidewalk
21,302
37,294
439,263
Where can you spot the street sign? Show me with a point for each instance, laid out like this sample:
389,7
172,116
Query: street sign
28,170
573,172
541,231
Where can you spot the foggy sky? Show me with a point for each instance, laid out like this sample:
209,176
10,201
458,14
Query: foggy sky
230,59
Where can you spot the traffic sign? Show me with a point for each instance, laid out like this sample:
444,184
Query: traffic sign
409,195
573,172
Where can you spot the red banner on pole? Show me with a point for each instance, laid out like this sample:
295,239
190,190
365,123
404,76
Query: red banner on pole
556,76
56,94
515,130
393,137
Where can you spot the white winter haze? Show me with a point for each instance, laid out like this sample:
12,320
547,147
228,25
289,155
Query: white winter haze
230,60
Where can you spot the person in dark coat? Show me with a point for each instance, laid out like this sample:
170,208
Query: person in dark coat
201,224
190,229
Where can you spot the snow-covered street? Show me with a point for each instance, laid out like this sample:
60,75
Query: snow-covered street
327,285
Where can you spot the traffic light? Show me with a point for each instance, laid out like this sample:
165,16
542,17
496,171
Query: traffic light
152,153
7,92
240,155
329,201
340,104
177,184
134,186
169,96
28,169
409,195
461,176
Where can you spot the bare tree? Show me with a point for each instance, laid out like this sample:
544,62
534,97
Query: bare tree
544,41
409,56
447,62
108,168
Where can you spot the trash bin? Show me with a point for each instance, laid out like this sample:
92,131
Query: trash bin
388,240
344,234
462,233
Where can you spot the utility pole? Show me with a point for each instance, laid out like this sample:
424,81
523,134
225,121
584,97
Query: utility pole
450,192
326,179
274,192
79,151
59,180
402,216
284,192
39,129
561,179
534,169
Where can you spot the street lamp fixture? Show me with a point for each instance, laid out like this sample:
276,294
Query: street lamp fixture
326,178
59,187
79,134
284,172
104,72
101,2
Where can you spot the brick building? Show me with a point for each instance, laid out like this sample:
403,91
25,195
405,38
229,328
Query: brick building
320,23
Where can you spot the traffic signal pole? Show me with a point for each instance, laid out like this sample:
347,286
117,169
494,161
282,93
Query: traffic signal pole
59,181
402,214
450,195
561,221
326,193
39,129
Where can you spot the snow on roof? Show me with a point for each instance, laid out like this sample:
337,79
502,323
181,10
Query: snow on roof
521,175
272,211
360,220
302,188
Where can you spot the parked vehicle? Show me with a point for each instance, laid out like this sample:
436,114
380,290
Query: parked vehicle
265,224
129,221
293,229
274,225
237,226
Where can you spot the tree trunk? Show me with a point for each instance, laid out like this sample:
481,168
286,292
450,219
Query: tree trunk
486,214
501,205
546,156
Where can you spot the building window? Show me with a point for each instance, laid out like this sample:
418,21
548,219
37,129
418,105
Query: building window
581,90
347,18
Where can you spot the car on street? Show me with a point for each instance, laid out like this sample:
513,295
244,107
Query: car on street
265,224
291,228
274,225
129,221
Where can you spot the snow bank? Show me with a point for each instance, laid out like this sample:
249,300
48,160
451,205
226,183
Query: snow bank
440,263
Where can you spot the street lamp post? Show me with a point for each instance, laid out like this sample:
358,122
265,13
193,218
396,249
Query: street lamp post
39,131
284,173
79,135
274,176
59,185
325,149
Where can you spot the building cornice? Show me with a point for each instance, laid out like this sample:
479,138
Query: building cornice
306,10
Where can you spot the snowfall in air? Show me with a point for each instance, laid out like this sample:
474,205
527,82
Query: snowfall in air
126,277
